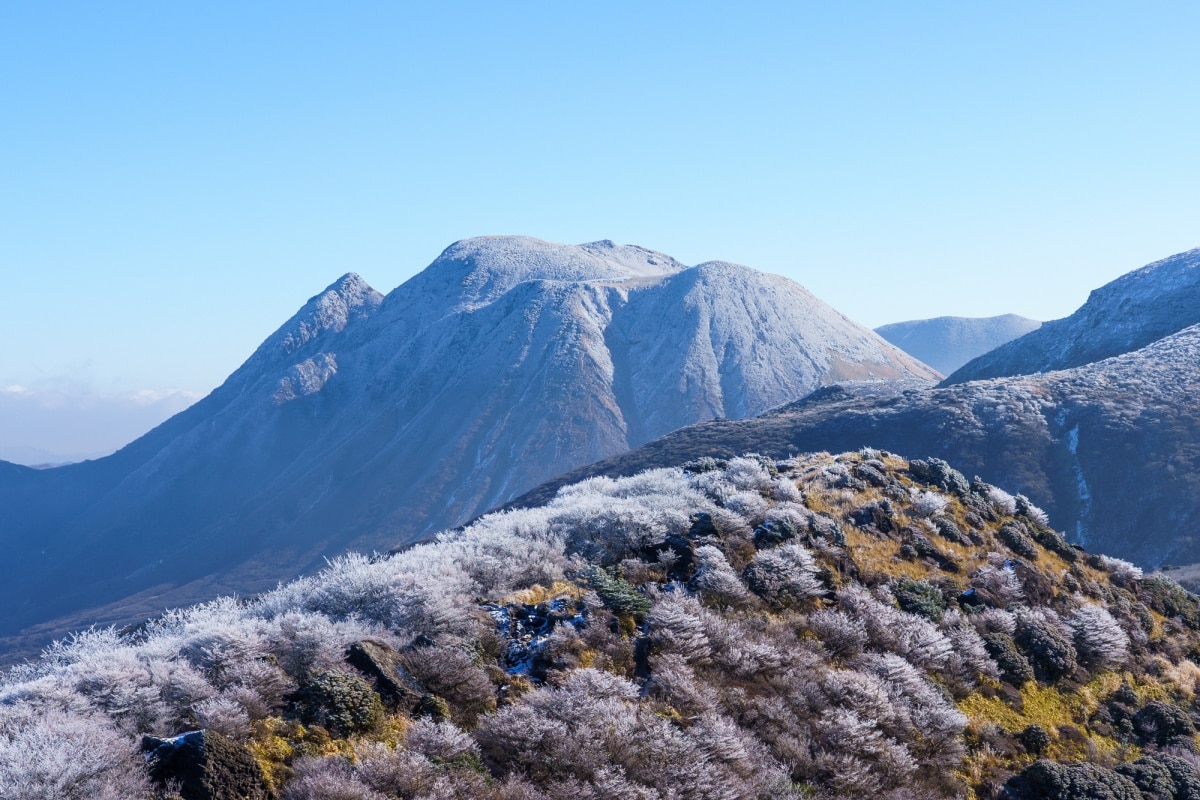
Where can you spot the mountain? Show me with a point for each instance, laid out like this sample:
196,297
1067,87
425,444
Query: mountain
826,626
1131,312
368,422
1110,450
947,343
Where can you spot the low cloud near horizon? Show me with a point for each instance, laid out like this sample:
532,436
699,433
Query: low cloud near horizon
60,424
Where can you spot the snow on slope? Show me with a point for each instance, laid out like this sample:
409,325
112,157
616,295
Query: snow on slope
946,343
1131,312
367,422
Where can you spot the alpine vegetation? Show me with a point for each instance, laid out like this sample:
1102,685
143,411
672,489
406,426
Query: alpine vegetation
821,626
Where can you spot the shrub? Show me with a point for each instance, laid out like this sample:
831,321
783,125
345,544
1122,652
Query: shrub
340,702
1013,535
1051,653
1170,599
919,597
615,593
1163,724
1163,777
1046,780
1034,739
1014,667
1099,639
784,576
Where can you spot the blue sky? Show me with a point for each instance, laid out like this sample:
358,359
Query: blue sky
176,179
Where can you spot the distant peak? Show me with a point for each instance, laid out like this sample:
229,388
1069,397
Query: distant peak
475,271
350,285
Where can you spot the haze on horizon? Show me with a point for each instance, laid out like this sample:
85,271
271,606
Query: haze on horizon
178,181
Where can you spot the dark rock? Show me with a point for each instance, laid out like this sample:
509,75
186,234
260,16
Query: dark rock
827,528
386,669
207,766
1015,538
950,531
936,472
870,474
877,515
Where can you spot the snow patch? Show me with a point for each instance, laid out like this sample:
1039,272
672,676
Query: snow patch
306,378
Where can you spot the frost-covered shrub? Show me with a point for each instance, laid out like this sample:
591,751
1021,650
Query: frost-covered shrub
327,779
1002,500
1122,571
715,578
673,680
784,576
970,657
451,672
675,626
1027,509
1099,639
843,635
1001,585
223,715
750,506
441,742
67,756
928,504
892,630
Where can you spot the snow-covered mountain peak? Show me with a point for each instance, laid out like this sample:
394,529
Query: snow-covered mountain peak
473,272
347,300
1128,313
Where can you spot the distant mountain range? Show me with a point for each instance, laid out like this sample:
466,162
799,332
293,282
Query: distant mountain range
947,343
1110,448
1131,312
368,421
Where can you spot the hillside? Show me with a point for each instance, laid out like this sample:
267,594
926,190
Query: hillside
1122,316
1111,450
947,343
832,627
367,421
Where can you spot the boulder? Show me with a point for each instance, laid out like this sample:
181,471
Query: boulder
385,667
206,766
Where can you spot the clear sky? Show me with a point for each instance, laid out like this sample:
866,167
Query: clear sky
176,179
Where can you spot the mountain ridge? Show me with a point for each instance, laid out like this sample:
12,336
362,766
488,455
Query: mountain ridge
948,343
1125,314
366,421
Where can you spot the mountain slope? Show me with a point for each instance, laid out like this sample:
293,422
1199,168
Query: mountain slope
826,626
947,343
1130,312
1111,450
369,421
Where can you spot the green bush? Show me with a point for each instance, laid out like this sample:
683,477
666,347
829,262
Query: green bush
1170,599
1047,780
1052,655
340,702
920,597
1014,667
618,595
1163,724
1013,536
